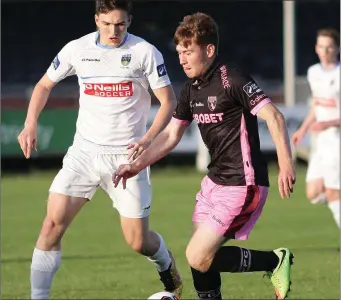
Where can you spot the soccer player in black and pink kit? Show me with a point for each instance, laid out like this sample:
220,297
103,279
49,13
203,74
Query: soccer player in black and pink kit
225,103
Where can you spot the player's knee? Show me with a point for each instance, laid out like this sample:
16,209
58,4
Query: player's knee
197,259
312,193
314,189
51,231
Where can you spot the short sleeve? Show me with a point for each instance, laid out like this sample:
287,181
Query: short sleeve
155,69
246,91
183,112
61,66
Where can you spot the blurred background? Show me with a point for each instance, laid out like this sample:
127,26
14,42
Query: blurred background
254,35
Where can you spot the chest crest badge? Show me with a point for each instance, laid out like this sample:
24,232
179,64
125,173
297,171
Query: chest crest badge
212,102
125,59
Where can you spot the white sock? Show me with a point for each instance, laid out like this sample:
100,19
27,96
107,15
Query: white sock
161,258
334,206
44,266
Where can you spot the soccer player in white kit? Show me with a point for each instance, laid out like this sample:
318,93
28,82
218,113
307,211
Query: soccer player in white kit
323,175
114,70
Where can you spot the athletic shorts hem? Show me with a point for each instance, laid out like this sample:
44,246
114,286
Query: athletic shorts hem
134,216
72,194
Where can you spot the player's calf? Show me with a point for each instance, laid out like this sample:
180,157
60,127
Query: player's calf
207,284
151,244
46,257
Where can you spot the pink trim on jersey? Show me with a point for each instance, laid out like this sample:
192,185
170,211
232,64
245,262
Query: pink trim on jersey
260,105
180,122
325,102
246,153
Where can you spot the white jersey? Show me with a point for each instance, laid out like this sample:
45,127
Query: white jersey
325,88
114,100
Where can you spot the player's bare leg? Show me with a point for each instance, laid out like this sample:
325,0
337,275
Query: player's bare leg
61,210
333,198
149,243
315,191
209,258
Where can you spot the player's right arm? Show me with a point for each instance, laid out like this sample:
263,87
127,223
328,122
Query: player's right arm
300,133
28,136
60,68
310,118
164,143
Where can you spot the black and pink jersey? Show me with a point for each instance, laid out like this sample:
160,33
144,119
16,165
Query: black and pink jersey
224,102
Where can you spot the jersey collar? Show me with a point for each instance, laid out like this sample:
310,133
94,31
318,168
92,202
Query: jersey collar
109,47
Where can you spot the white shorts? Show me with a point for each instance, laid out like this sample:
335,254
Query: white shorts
84,171
324,163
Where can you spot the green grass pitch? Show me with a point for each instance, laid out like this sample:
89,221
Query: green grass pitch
97,264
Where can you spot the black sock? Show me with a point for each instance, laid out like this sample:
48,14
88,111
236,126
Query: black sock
207,284
237,260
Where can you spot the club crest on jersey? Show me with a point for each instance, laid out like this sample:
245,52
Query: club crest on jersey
212,102
125,59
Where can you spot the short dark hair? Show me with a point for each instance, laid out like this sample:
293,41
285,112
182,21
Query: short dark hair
330,32
105,6
199,28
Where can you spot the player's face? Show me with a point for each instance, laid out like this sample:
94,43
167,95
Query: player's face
195,59
112,26
326,49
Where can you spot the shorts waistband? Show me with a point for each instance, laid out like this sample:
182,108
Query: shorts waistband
85,145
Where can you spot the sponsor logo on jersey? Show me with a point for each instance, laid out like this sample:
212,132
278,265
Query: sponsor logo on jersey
161,70
55,63
251,88
124,89
257,99
223,76
125,59
212,102
325,102
208,118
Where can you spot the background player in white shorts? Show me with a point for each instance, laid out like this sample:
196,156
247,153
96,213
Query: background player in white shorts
114,70
323,176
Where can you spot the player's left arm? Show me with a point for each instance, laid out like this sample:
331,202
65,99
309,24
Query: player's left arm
155,71
279,133
167,100
246,91
160,147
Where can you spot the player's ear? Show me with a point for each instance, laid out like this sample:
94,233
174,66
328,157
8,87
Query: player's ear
130,18
210,50
96,20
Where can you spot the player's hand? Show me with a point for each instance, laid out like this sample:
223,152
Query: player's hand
297,137
124,172
137,148
28,139
317,127
286,180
